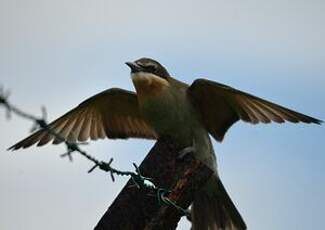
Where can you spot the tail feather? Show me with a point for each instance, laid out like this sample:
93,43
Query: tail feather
213,209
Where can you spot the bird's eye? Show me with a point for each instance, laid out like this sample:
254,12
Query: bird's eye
151,68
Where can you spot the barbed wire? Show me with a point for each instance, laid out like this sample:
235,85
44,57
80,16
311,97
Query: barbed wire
138,179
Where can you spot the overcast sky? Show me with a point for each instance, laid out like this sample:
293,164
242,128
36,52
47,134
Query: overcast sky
58,53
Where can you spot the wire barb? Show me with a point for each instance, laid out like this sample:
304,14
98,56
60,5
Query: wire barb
4,95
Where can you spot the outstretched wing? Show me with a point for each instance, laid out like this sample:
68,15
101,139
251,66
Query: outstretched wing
221,106
113,113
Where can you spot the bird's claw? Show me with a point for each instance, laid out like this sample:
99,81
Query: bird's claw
185,151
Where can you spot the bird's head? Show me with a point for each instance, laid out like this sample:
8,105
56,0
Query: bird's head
148,66
148,75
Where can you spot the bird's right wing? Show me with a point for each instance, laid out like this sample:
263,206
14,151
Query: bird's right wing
113,113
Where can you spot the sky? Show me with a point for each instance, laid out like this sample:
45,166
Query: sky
58,53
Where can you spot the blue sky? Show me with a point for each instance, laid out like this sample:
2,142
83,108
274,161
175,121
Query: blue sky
58,53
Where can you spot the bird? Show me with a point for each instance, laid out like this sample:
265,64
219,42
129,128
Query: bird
163,106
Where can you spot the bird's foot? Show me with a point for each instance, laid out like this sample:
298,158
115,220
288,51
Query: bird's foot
185,151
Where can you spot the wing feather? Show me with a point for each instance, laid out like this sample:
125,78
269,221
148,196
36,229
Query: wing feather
85,129
113,113
221,106
263,115
93,128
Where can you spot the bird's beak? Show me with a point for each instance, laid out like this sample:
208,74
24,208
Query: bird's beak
134,67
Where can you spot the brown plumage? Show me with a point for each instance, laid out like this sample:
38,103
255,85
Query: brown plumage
221,106
113,113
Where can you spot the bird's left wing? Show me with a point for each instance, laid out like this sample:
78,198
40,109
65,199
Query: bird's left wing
221,106
113,113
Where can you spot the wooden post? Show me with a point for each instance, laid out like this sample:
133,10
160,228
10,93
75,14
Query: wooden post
136,209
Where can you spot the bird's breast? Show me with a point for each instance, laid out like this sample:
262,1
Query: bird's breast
167,111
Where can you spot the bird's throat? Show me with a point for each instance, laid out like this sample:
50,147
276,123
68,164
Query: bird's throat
149,85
